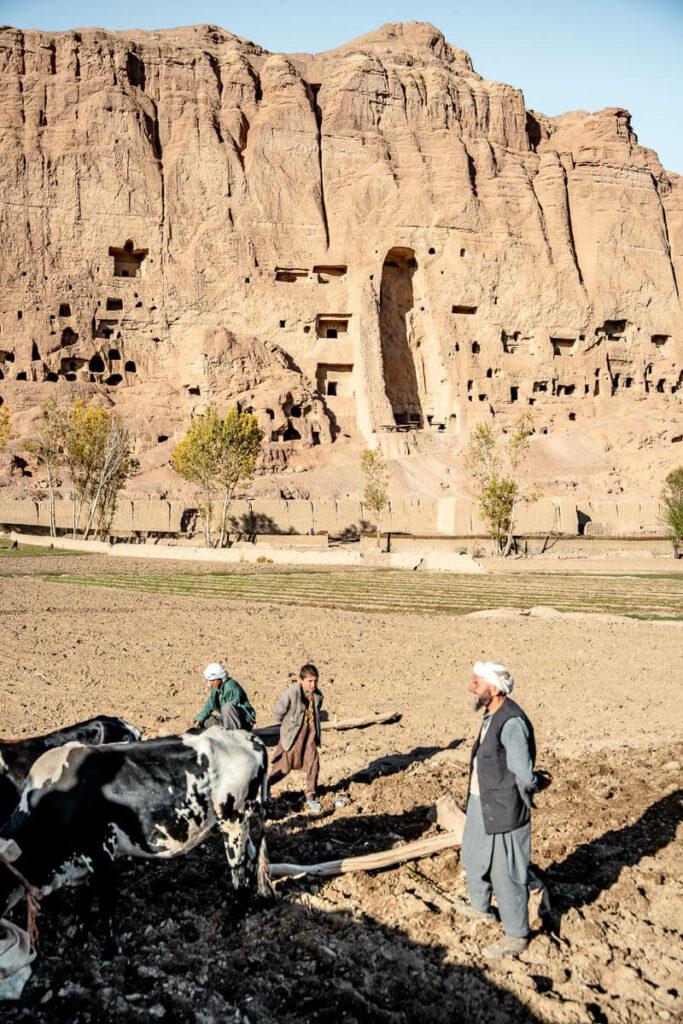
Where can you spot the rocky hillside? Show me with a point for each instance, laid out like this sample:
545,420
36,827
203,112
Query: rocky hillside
372,242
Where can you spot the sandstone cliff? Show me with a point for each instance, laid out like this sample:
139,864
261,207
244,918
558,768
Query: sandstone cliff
368,243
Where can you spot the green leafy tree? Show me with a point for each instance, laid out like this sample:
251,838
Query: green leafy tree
216,456
92,449
494,466
672,500
5,430
240,446
375,496
47,448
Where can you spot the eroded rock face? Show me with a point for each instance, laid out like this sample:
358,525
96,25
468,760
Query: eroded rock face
372,241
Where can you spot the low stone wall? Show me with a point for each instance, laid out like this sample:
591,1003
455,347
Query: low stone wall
348,519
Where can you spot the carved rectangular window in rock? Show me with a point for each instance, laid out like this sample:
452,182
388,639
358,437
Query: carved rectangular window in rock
659,339
127,260
114,304
565,389
335,379
315,437
290,275
661,385
540,385
401,419
514,394
613,328
105,328
325,273
510,342
64,309
72,364
562,346
331,325
464,310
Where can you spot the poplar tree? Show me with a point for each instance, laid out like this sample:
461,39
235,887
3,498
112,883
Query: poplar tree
672,500
494,466
5,431
376,476
216,456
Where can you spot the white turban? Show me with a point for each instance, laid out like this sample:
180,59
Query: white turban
496,674
214,671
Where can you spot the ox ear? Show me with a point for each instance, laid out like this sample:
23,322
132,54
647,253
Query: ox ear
9,850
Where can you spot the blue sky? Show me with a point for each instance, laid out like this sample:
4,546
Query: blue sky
585,54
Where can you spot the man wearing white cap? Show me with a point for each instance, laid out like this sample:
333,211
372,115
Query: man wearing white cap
228,704
496,844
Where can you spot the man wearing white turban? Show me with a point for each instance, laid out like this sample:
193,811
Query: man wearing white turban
227,703
496,845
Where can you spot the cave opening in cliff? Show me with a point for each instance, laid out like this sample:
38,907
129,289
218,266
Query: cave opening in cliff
396,336
127,260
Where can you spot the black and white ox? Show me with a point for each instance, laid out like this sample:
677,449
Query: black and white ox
84,806
17,756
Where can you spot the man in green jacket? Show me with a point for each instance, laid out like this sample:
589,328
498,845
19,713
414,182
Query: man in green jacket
227,704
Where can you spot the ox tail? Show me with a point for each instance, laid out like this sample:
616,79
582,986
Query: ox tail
263,882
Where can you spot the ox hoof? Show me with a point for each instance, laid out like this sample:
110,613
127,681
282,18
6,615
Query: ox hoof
111,949
230,925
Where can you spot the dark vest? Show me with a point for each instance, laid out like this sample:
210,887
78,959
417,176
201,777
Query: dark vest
502,805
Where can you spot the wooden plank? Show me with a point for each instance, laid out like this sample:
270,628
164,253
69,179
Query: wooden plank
267,731
372,861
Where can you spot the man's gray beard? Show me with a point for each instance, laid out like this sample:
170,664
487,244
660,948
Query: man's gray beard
478,704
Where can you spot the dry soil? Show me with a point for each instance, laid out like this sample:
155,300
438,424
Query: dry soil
605,699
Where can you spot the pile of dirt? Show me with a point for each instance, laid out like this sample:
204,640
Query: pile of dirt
387,946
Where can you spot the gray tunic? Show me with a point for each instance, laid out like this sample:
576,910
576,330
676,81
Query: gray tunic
500,863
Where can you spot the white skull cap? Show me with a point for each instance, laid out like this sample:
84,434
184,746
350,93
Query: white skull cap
214,671
496,674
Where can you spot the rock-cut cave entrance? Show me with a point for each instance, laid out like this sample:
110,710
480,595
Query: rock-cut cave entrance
395,325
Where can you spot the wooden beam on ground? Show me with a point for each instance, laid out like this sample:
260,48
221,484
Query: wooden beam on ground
337,724
372,861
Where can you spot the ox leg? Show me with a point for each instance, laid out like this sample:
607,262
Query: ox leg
105,881
84,895
234,828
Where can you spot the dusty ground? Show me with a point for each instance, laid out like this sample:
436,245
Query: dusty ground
605,699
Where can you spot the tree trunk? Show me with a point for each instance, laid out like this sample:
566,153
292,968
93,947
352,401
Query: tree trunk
224,515
208,510
51,501
511,526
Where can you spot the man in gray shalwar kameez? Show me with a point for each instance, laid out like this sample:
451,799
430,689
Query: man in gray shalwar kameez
496,845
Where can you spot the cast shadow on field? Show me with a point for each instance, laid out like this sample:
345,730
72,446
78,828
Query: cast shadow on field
362,969
594,867
390,764
350,835
289,961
